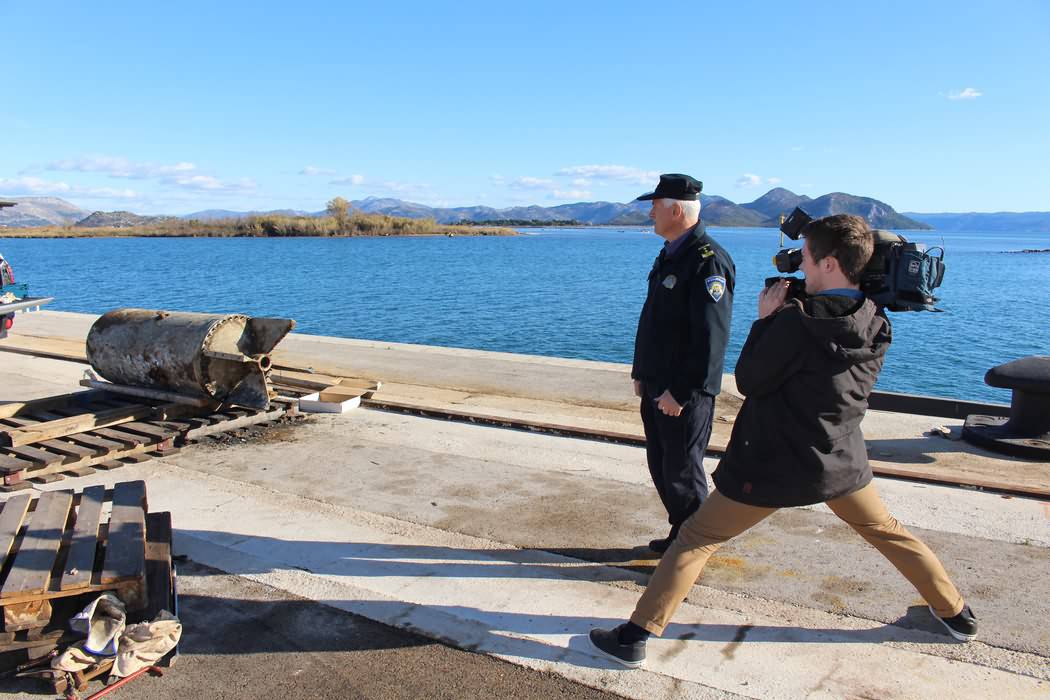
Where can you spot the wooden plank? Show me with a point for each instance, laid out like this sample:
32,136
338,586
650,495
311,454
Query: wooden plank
100,444
45,478
31,569
159,587
9,464
223,426
80,471
126,541
34,454
11,518
111,465
75,398
81,559
71,451
149,430
75,424
123,436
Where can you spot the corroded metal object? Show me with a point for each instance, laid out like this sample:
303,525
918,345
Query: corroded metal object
220,357
1026,433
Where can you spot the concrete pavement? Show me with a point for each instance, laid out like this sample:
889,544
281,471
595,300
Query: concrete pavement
512,545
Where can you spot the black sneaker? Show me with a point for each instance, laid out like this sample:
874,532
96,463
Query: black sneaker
608,643
663,544
963,626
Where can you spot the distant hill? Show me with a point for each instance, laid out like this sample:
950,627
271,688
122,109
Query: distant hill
39,211
879,214
719,211
776,202
120,219
998,222
215,214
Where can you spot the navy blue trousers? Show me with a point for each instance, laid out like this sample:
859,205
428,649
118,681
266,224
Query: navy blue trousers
674,447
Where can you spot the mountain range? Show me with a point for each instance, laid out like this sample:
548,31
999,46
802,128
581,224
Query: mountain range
717,211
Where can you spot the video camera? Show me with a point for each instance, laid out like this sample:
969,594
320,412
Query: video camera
900,276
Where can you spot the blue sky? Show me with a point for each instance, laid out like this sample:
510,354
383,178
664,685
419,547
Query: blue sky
178,107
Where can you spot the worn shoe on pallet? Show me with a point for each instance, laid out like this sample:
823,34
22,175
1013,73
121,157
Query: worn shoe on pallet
607,642
963,626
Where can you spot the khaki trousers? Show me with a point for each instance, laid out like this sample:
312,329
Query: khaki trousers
721,519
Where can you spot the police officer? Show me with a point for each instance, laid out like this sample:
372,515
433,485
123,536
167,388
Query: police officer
680,348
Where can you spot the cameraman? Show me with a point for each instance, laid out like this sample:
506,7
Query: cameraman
806,370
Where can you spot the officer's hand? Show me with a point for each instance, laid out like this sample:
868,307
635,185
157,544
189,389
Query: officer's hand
667,404
637,388
772,298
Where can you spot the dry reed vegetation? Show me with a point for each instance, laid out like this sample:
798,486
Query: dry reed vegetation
354,224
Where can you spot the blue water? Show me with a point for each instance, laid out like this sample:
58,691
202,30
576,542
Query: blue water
559,292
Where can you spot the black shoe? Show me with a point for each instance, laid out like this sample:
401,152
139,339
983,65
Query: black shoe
963,626
608,643
661,545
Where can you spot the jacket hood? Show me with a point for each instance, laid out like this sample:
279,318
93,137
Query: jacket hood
846,328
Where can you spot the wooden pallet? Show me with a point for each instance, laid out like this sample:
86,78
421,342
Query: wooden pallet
21,646
76,434
64,544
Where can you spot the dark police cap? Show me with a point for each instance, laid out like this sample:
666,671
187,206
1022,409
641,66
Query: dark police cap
675,186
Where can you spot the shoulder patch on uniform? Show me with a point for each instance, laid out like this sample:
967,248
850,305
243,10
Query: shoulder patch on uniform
716,286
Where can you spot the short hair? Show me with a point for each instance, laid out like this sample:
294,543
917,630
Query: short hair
690,207
845,237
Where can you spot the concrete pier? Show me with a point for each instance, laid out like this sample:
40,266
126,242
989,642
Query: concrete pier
507,546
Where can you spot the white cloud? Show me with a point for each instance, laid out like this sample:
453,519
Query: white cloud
623,173
312,170
181,175
965,94
569,194
207,183
497,179
39,186
581,182
532,183
752,180
394,187
796,149
120,167
348,180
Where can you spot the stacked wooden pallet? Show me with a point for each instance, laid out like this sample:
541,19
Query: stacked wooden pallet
62,549
76,434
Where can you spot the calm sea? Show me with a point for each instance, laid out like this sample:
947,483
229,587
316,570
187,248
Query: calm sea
559,292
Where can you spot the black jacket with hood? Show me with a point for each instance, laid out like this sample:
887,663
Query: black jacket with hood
806,373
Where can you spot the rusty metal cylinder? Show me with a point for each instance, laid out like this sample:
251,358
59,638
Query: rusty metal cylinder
219,357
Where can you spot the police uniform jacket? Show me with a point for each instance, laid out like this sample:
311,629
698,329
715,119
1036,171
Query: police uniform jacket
684,325
806,372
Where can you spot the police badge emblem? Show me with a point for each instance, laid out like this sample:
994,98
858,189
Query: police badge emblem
716,286
670,281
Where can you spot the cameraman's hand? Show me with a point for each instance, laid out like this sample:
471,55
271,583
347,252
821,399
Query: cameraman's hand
667,404
772,298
